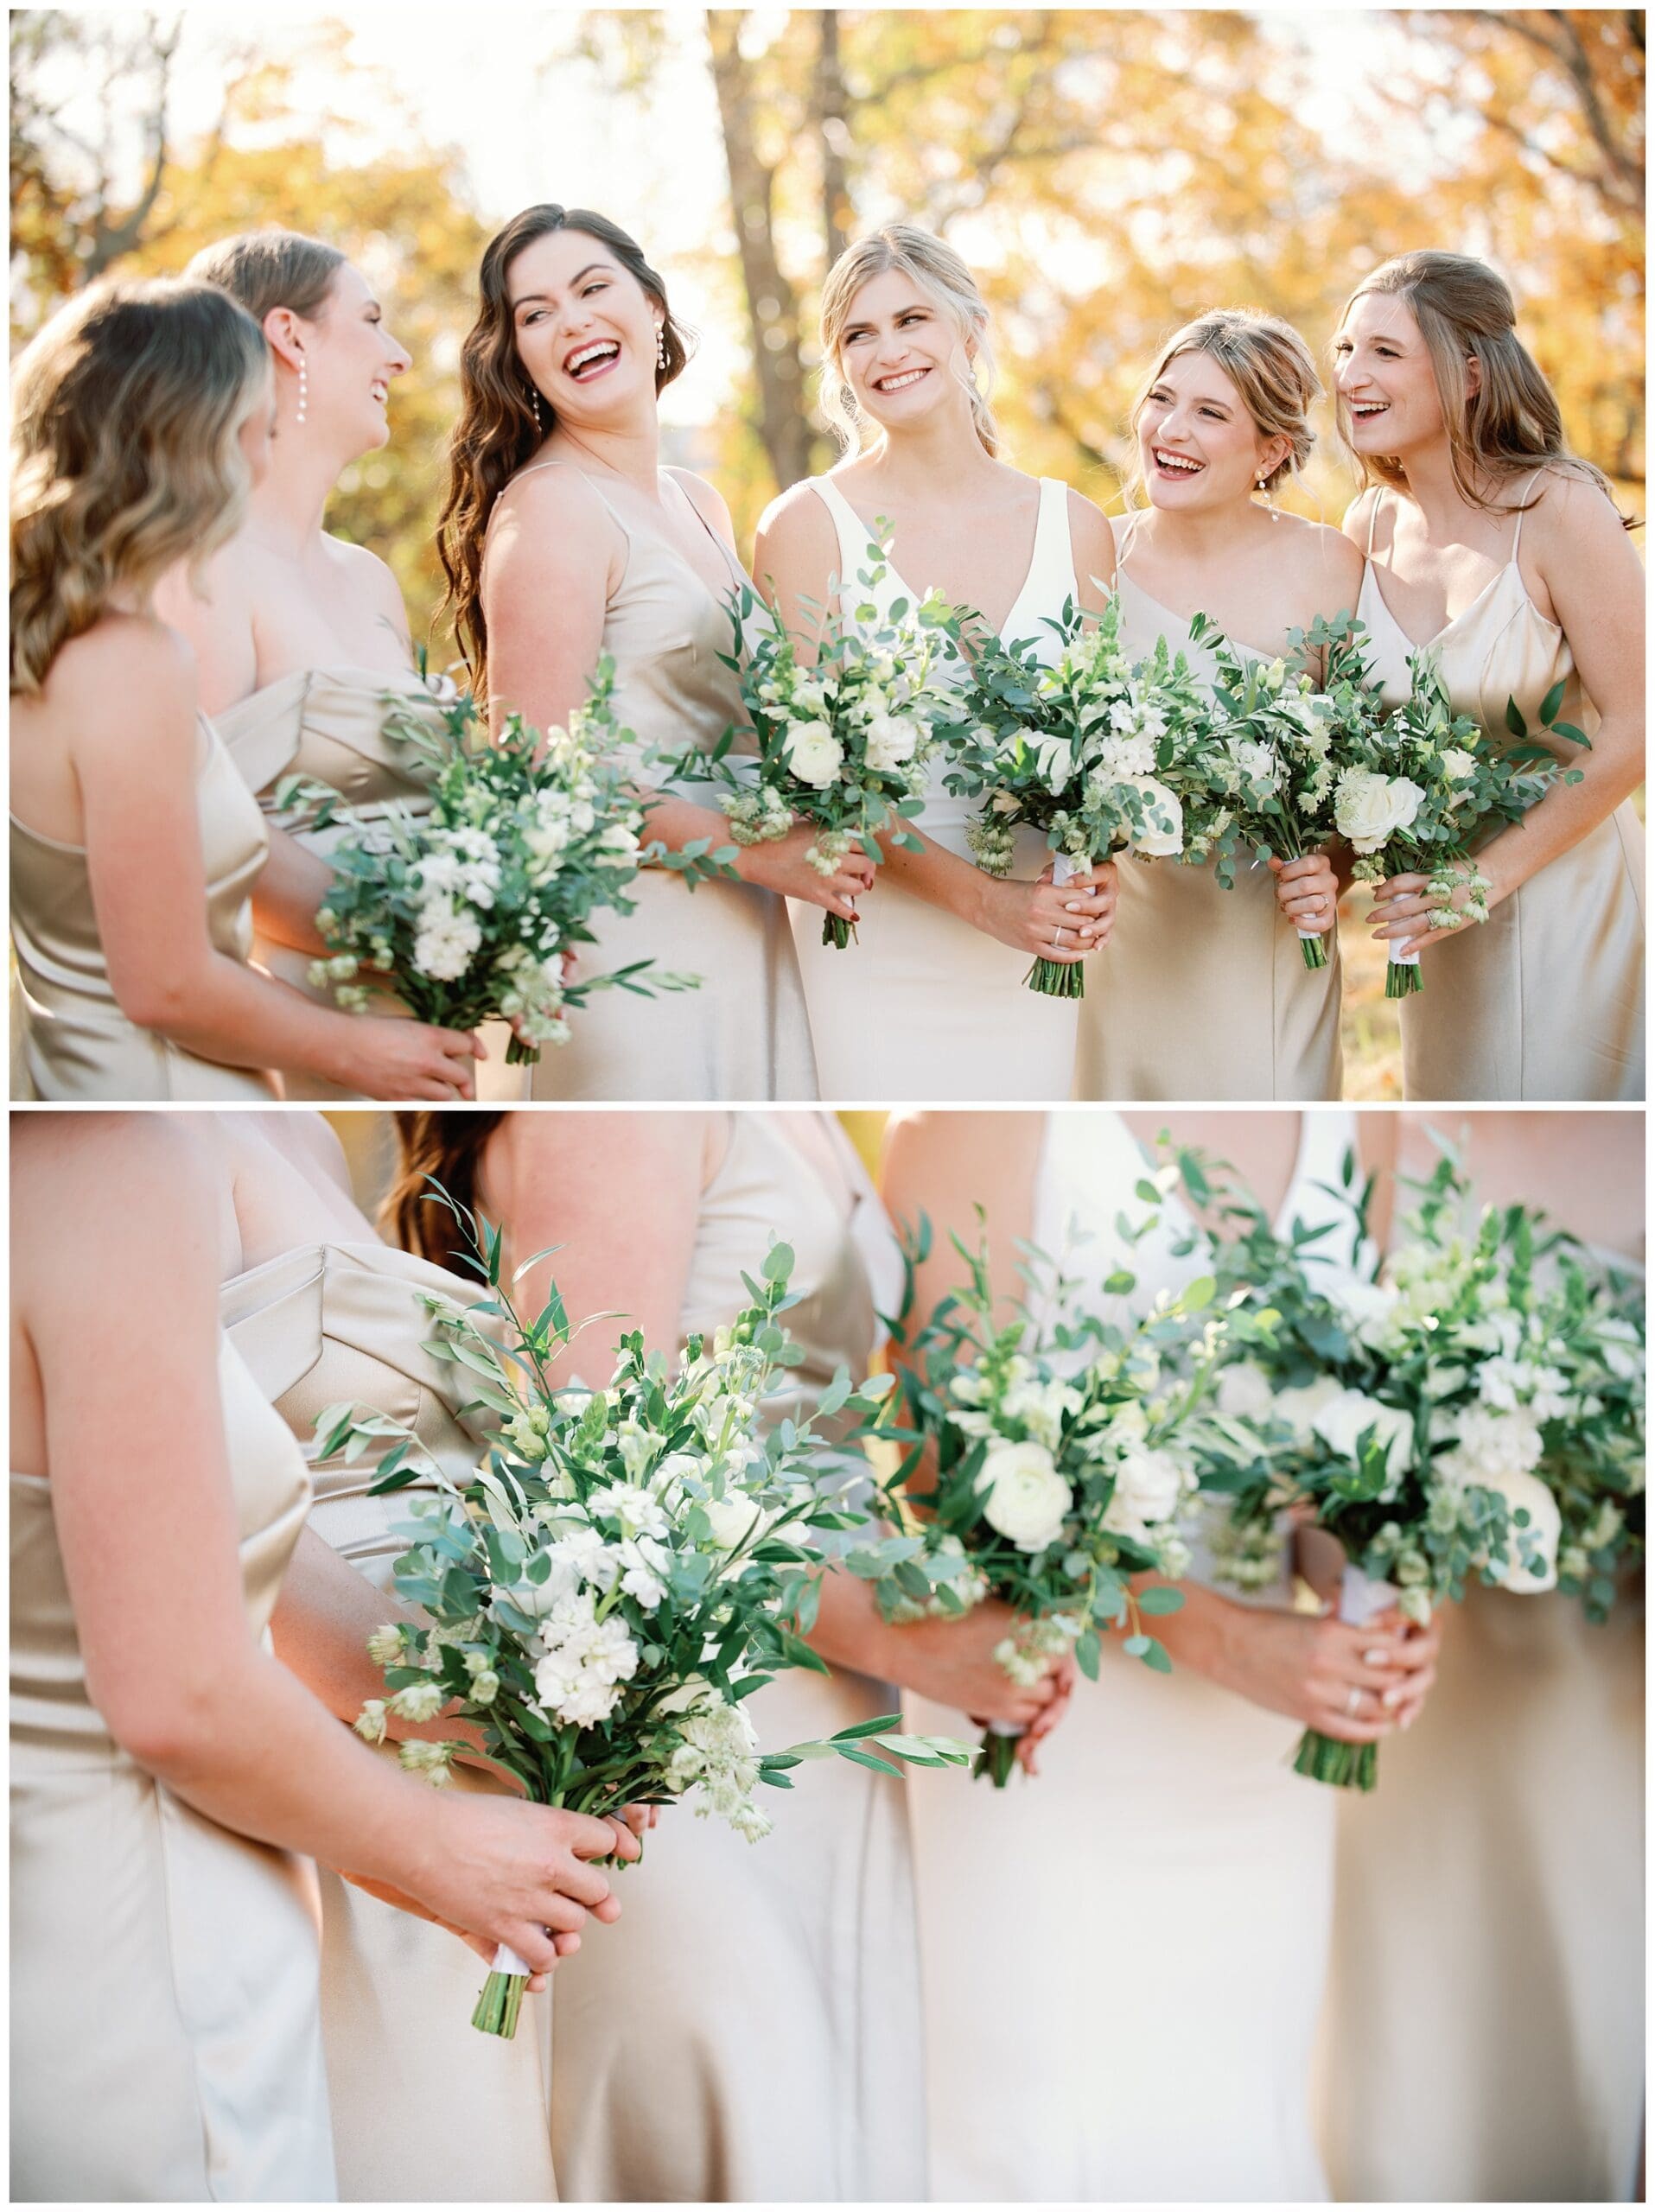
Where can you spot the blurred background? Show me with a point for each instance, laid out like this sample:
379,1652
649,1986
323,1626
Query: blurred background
1109,172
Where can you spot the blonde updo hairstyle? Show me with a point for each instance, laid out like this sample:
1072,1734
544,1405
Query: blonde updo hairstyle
127,410
1271,366
1512,424
945,279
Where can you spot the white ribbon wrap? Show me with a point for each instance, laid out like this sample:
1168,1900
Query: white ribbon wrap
1401,959
1065,867
1361,1599
507,1962
1005,1728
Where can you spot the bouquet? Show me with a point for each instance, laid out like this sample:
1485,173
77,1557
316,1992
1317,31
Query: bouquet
844,743
473,906
1419,785
626,1567
1074,749
1049,1467
1380,1409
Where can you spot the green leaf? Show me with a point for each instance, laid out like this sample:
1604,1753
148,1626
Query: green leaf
1159,1598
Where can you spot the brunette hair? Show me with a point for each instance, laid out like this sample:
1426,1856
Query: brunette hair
1271,366
127,411
498,428
272,268
941,274
445,1148
1512,424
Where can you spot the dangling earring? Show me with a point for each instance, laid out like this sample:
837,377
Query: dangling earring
534,402
304,386
660,345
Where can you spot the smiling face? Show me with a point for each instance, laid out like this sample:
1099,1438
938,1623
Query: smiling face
350,360
1197,445
902,355
585,328
1385,377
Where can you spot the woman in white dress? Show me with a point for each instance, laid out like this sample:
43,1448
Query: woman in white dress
564,539
144,420
751,2031
931,1003
1486,2025
1207,994
1493,548
1144,2029
300,640
170,1781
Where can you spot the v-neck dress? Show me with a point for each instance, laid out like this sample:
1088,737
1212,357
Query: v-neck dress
742,1034
1545,998
921,1005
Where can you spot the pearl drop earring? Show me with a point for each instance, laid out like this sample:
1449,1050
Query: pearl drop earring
534,402
660,345
304,386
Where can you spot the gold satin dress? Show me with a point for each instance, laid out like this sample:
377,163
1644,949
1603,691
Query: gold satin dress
329,723
425,2109
744,1034
165,2040
1200,992
75,1041
1545,998
749,2029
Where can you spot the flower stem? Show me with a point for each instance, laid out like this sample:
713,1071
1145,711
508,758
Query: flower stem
1402,979
519,1055
1314,951
498,2005
1057,979
1345,1766
837,931
997,1756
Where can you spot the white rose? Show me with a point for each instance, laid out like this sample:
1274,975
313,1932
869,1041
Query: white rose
1528,1494
733,1517
1342,1420
1148,1484
1368,808
1244,1391
1458,765
1026,1496
814,754
1298,1408
891,741
1164,806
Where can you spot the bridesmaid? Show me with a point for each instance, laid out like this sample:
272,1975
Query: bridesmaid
1493,547
143,415
564,539
936,982
302,639
1207,994
1145,2030
1499,1870
768,1997
166,1771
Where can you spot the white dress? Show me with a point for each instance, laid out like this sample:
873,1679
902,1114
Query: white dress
921,1005
1122,1962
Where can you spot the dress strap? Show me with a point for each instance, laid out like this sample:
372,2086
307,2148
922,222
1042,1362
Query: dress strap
1126,545
575,469
1516,535
854,535
1373,516
1051,577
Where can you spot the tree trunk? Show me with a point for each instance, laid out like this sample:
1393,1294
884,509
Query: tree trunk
831,106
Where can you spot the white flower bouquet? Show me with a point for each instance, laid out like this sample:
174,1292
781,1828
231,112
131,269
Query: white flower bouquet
625,1568
842,743
1048,1466
469,909
1072,750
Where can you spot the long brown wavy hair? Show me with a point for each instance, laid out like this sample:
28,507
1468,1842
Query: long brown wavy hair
1511,425
126,457
498,429
445,1148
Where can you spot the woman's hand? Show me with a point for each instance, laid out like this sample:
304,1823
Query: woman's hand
1065,1675
1046,920
780,866
952,1663
1400,904
1353,1684
566,1946
1307,891
395,1059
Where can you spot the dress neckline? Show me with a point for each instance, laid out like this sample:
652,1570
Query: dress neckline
341,672
1280,1218
1183,621
664,476
1426,645
1009,629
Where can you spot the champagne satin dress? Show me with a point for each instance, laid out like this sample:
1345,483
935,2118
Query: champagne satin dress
749,2029
1200,992
921,1005
165,2043
1124,1960
331,724
743,1033
75,1042
1485,2022
425,2109
1545,998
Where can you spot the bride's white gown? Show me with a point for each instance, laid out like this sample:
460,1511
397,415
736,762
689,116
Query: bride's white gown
921,1005
1122,1962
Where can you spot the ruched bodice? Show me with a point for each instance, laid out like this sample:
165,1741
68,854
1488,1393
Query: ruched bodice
76,1042
205,2075
1544,1000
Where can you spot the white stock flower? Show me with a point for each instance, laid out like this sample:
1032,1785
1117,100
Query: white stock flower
1490,1444
445,940
1149,1483
1368,807
1367,1307
814,754
1025,1498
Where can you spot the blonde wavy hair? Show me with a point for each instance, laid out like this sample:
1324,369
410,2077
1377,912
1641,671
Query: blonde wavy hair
272,268
126,452
946,280
1512,424
1269,364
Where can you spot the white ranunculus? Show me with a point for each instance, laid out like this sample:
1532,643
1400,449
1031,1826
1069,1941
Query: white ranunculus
1342,1420
1528,1494
1244,1391
1148,1484
814,754
891,741
733,1517
1457,765
1027,1498
1298,1408
1368,807
1155,842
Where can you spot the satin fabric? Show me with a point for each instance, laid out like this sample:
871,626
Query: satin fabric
165,2042
921,1005
75,1041
1545,998
743,1033
425,2109
1123,1960
1200,992
337,725
749,2029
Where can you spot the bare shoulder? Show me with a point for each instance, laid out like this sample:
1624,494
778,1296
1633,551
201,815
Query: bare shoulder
550,519
143,663
1567,511
1326,557
1091,537
950,1157
798,518
1359,516
313,1139
115,1183
707,500
367,570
